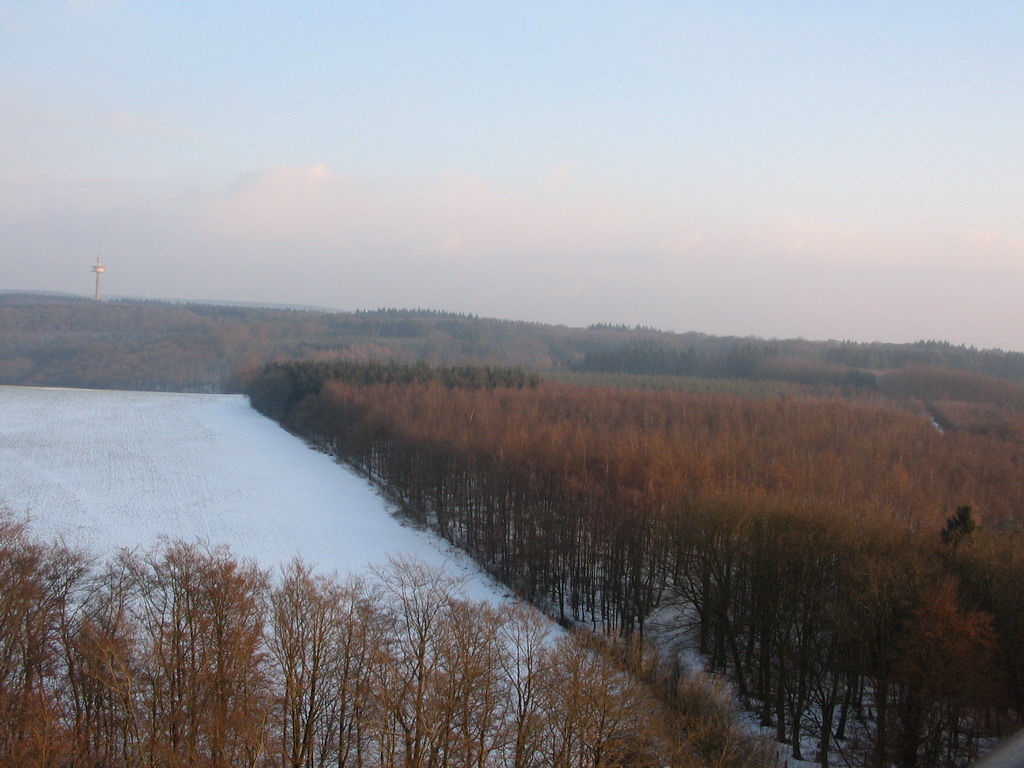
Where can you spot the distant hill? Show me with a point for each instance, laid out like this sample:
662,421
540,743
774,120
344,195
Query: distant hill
57,340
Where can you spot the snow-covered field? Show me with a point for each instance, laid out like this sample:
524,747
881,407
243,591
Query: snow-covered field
107,469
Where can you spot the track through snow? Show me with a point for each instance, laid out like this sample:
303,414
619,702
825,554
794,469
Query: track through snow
108,469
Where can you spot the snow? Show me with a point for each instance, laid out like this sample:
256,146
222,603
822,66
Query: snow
105,469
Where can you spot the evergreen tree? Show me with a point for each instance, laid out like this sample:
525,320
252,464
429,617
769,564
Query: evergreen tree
960,527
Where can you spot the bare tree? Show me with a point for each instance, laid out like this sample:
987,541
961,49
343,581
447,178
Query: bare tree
202,671
526,639
37,586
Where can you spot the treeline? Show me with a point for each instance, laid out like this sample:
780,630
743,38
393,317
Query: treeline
935,354
922,370
282,386
940,384
796,543
186,656
54,341
760,362
150,345
641,360
140,346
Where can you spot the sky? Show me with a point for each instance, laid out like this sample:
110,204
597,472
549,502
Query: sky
825,170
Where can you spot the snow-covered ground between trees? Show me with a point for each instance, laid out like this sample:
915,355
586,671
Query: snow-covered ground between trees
110,469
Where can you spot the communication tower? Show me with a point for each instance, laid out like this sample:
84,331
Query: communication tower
99,269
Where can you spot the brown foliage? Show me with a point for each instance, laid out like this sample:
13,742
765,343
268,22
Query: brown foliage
797,538
183,656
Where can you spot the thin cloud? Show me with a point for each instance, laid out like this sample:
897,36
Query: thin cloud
282,200
147,125
811,241
453,244
998,249
560,174
424,217
686,244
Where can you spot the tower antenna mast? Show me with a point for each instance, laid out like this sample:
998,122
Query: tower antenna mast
99,269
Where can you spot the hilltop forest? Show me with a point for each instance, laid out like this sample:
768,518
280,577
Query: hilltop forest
147,345
834,526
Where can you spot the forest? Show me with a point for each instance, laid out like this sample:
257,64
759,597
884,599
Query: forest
185,657
832,526
48,340
836,557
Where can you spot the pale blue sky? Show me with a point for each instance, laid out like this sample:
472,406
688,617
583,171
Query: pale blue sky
816,169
